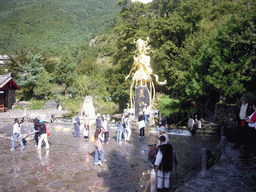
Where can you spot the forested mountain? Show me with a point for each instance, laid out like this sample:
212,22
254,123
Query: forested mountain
53,24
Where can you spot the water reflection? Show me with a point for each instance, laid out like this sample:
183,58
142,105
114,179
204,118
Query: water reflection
17,163
44,160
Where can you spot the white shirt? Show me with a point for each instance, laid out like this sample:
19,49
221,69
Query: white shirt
16,128
243,109
159,156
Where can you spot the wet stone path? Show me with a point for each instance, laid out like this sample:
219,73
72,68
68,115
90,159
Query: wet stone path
68,164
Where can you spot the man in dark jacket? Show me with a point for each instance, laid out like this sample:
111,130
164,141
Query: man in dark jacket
36,127
98,121
244,109
162,121
163,163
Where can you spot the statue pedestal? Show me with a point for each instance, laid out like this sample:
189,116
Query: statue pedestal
142,97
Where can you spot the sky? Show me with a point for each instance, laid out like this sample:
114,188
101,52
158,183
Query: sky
143,1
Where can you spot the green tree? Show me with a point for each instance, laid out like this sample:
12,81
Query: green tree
27,79
65,70
2,70
43,85
226,63
17,61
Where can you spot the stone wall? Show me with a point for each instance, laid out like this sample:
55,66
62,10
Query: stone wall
225,115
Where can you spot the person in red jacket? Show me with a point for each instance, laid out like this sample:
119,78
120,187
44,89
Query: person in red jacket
251,120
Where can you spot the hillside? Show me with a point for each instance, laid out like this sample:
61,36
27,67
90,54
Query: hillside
53,24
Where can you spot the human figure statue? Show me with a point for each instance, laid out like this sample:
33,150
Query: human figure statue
142,71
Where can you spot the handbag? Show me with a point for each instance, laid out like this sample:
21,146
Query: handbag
142,124
47,131
92,139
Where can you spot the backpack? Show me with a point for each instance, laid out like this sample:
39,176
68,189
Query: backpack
152,154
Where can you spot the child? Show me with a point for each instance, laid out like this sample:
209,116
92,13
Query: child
119,131
98,148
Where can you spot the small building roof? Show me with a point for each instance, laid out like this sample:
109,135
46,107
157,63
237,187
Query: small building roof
7,83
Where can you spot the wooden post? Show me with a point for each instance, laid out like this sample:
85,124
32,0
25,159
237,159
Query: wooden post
222,130
153,181
223,148
175,164
204,163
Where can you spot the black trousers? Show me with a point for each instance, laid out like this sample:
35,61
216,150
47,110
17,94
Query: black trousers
36,137
142,132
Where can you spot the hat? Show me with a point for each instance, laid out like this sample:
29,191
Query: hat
245,97
41,121
162,128
98,115
140,113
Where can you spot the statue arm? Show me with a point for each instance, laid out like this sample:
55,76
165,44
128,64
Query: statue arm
135,64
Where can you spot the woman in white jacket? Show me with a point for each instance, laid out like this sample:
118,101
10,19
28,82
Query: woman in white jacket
16,134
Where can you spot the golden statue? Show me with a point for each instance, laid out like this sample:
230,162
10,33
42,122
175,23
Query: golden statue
142,76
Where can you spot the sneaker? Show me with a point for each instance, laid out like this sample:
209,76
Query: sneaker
22,149
47,148
96,163
12,149
100,164
36,146
140,137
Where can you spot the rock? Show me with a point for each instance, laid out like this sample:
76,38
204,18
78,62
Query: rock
50,105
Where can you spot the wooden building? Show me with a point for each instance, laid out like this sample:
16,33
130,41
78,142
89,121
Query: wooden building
7,92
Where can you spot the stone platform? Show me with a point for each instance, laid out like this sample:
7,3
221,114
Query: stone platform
68,165
235,174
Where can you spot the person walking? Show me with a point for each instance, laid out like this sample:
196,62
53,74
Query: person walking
98,121
98,148
16,134
146,113
76,121
128,128
119,131
86,127
42,135
36,127
164,164
141,120
162,121
105,129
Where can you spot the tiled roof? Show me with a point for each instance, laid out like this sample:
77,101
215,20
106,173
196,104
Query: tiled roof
4,79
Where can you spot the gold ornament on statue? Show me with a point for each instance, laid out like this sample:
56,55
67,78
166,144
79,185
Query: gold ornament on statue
142,71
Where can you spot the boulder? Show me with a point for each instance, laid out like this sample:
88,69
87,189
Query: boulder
50,105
